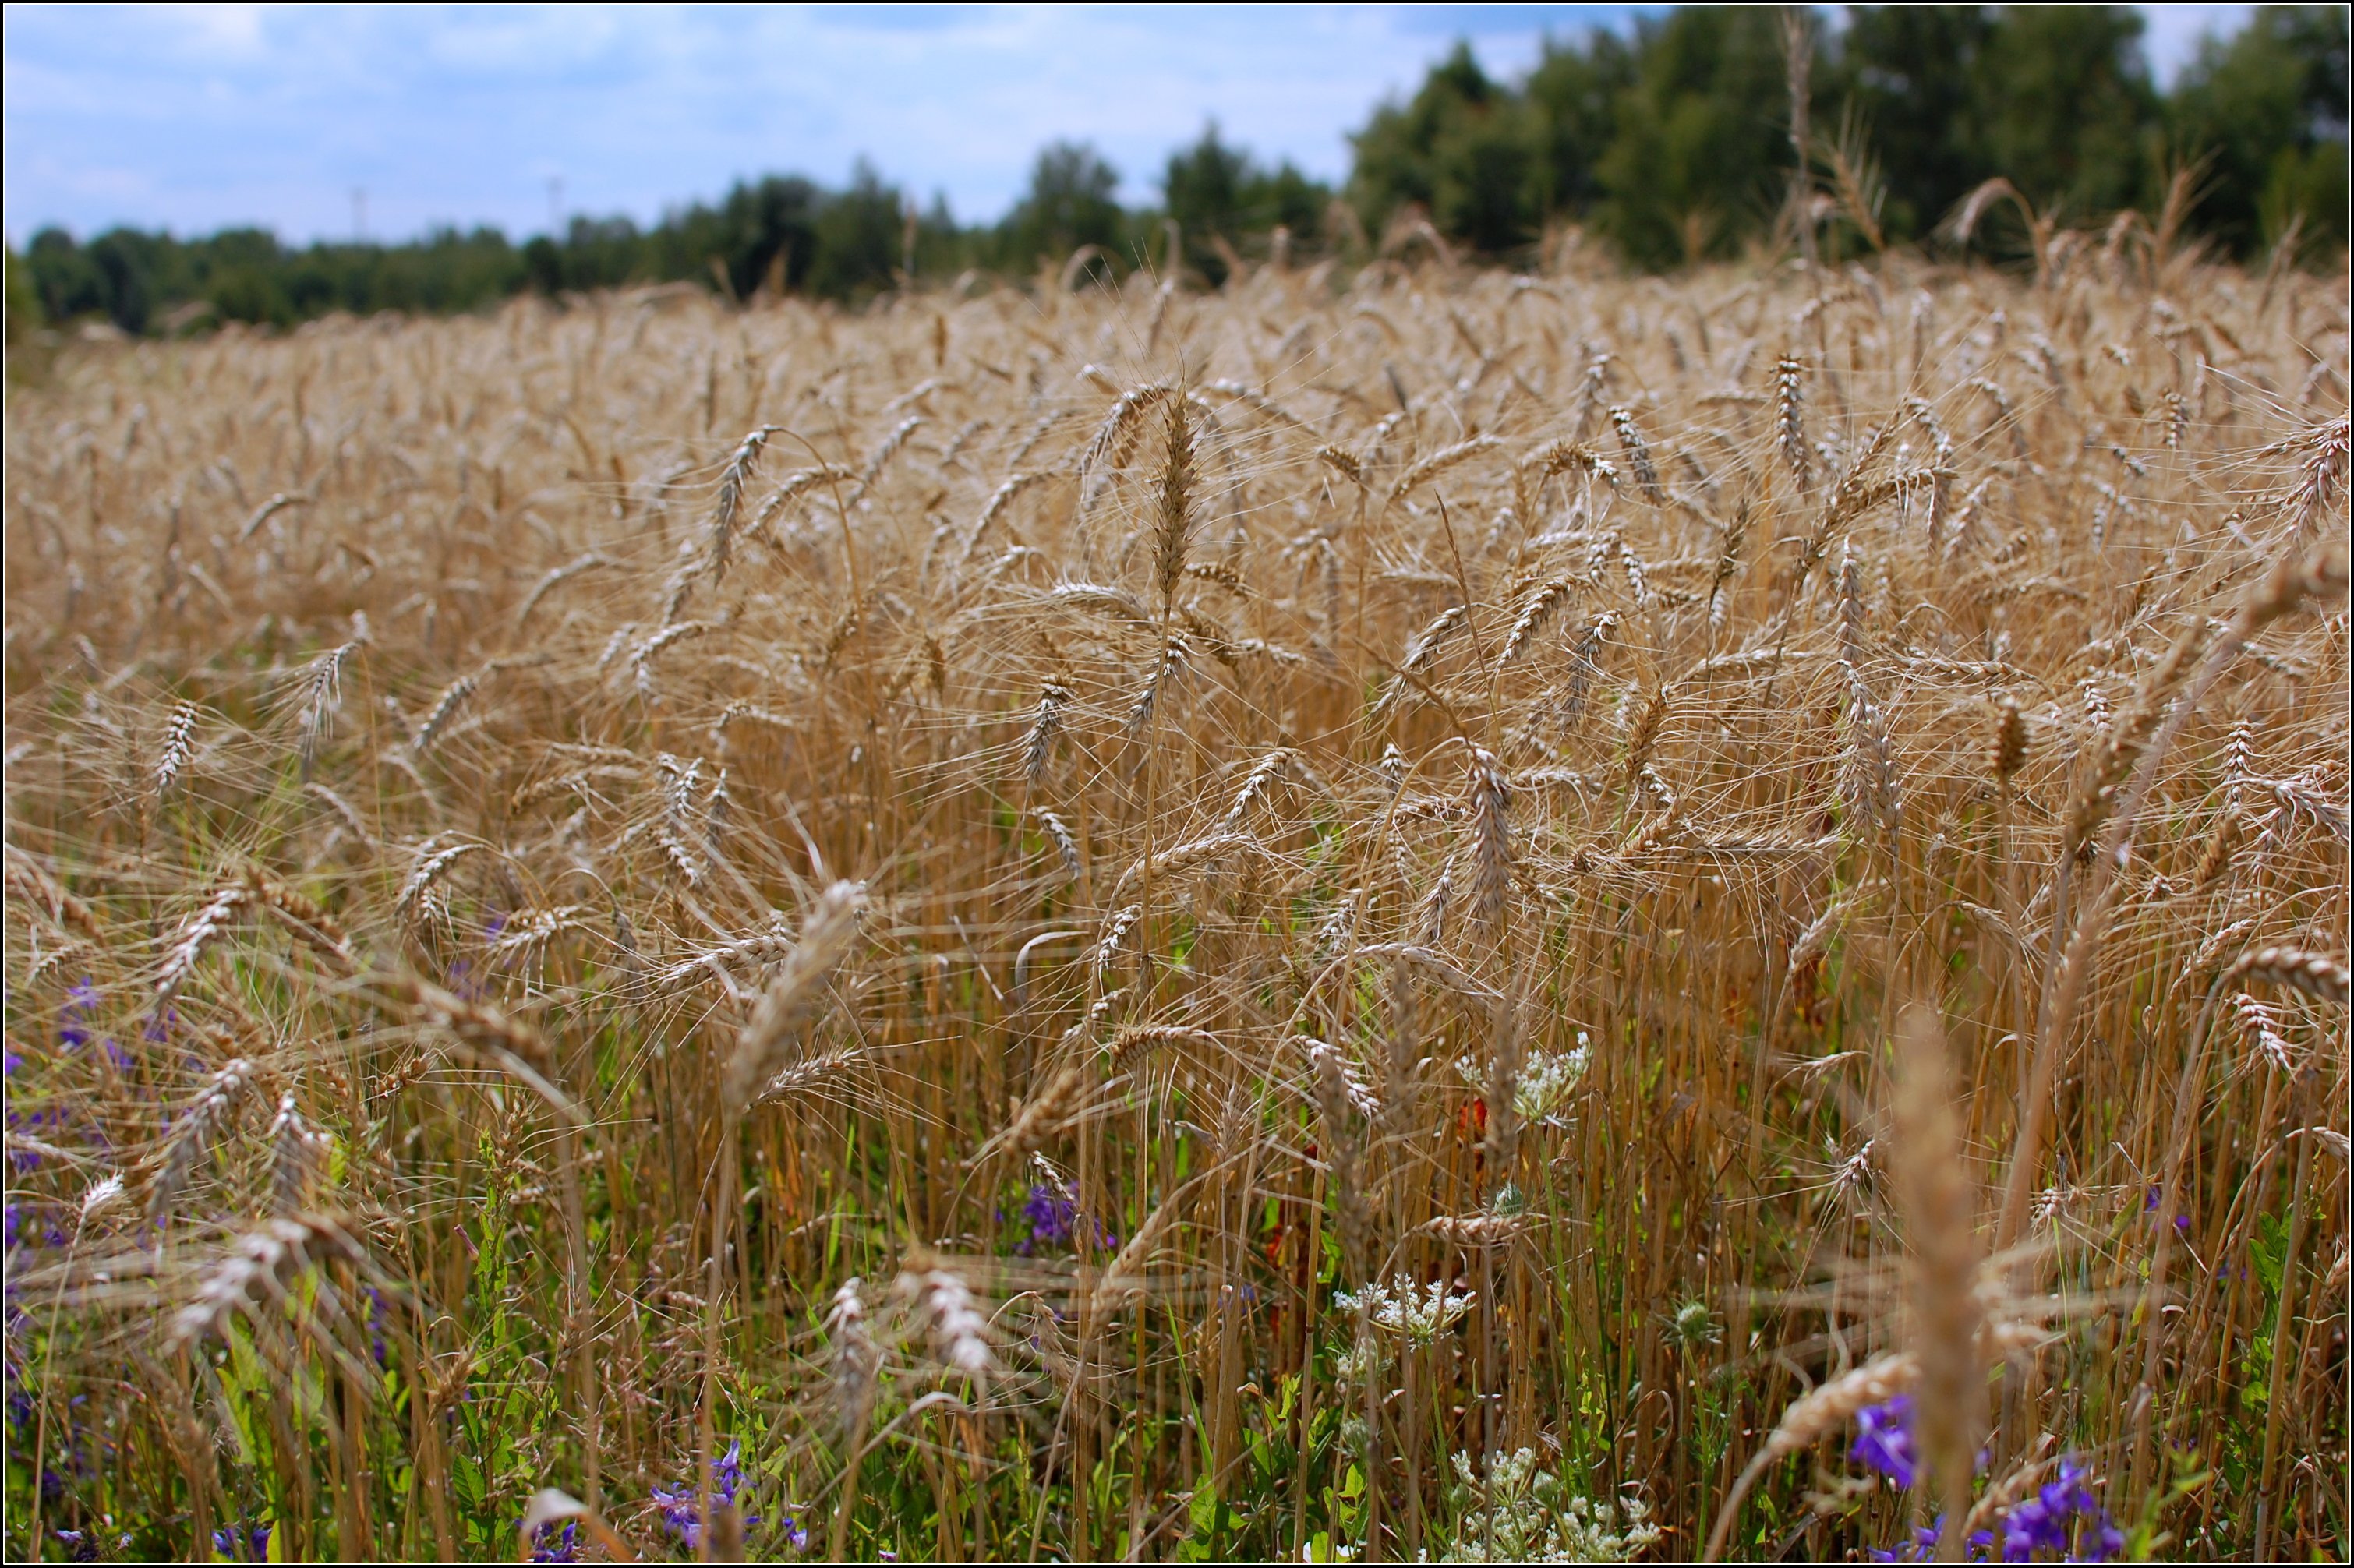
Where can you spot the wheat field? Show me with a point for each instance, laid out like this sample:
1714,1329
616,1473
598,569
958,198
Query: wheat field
1384,913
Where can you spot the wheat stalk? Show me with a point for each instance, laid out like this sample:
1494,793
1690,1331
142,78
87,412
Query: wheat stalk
1824,1411
827,934
261,1265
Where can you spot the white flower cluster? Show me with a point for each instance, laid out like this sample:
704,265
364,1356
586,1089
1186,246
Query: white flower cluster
1358,1362
1420,1315
1545,1081
1522,1514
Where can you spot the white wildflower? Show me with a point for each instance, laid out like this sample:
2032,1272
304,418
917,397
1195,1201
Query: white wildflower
1519,1513
1419,1315
1545,1081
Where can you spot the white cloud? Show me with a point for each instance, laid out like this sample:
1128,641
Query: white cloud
194,117
219,32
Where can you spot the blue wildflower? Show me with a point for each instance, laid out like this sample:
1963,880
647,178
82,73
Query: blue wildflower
2064,1517
376,1324
240,1545
680,1515
1050,1215
681,1510
80,1003
550,1544
1884,1440
1921,1546
2150,1205
1053,1211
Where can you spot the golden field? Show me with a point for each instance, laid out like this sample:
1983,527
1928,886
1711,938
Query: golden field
1144,925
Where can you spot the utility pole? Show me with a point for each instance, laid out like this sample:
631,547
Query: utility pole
359,215
556,208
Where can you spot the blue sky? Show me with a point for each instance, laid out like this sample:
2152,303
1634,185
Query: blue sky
195,117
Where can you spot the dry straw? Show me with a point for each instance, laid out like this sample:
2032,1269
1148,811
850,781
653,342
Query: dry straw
1455,770
827,935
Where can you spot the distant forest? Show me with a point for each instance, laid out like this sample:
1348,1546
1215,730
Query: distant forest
1672,142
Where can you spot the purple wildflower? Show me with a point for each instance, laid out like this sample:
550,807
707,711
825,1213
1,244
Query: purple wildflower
1921,1546
376,1324
80,1003
240,1545
2150,1206
2064,1517
1884,1440
1050,1215
679,1514
681,1511
463,983
25,1121
21,1225
1053,1211
550,1544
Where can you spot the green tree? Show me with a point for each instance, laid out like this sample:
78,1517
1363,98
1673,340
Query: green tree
2063,107
1289,199
242,272
603,253
1702,153
1461,148
942,247
249,295
2268,109
1203,193
1071,202
23,306
114,276
860,234
542,261
1572,98
1671,139
1911,74
1212,189
65,279
761,226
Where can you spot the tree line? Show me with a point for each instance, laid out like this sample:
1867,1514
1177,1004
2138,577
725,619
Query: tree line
1702,132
